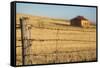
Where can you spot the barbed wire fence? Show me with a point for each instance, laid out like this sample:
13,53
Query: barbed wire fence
26,41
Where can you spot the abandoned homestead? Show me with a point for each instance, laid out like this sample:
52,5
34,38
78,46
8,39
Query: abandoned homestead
80,21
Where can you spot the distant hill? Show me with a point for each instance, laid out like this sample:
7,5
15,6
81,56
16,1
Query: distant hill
92,23
45,20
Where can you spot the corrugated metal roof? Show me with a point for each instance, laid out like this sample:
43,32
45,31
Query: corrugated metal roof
79,18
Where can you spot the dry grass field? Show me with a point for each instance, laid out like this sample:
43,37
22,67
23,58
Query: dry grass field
55,41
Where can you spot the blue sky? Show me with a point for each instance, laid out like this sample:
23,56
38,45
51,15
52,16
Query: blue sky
56,11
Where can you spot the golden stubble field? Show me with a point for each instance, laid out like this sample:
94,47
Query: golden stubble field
55,41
